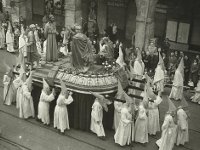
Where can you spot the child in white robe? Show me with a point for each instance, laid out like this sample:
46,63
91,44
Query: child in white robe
43,106
177,87
61,120
153,115
141,125
196,97
26,108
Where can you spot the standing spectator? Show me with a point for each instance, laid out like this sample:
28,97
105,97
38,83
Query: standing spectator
186,70
194,72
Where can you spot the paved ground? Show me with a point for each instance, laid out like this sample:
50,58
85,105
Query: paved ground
19,134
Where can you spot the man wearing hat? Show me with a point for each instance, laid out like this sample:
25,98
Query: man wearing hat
32,53
51,45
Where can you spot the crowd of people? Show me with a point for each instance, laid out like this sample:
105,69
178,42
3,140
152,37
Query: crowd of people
132,121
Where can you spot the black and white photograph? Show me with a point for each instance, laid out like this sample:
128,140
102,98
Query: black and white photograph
99,74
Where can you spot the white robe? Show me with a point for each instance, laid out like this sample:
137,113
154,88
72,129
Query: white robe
177,87
18,86
43,107
141,126
26,108
117,114
159,78
10,41
196,97
120,59
182,127
123,133
22,45
9,91
96,125
153,116
61,120
167,140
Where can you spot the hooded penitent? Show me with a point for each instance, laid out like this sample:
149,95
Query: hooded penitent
64,88
181,67
172,107
22,74
45,84
102,100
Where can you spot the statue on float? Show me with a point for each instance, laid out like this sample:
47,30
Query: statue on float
82,50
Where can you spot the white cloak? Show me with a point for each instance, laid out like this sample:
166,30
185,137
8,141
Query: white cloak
61,120
153,116
26,108
141,126
123,133
168,137
96,125
117,114
182,129
43,107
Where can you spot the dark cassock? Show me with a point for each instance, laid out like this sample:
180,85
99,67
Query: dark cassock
50,34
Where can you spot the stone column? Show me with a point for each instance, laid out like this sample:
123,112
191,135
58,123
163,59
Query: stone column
73,13
144,22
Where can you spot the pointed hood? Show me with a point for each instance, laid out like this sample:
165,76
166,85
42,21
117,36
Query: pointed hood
29,81
22,74
9,70
102,100
139,56
181,66
171,107
20,59
161,62
150,92
63,87
184,103
45,84
120,91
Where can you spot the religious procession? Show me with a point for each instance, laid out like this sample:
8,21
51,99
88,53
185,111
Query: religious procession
77,77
